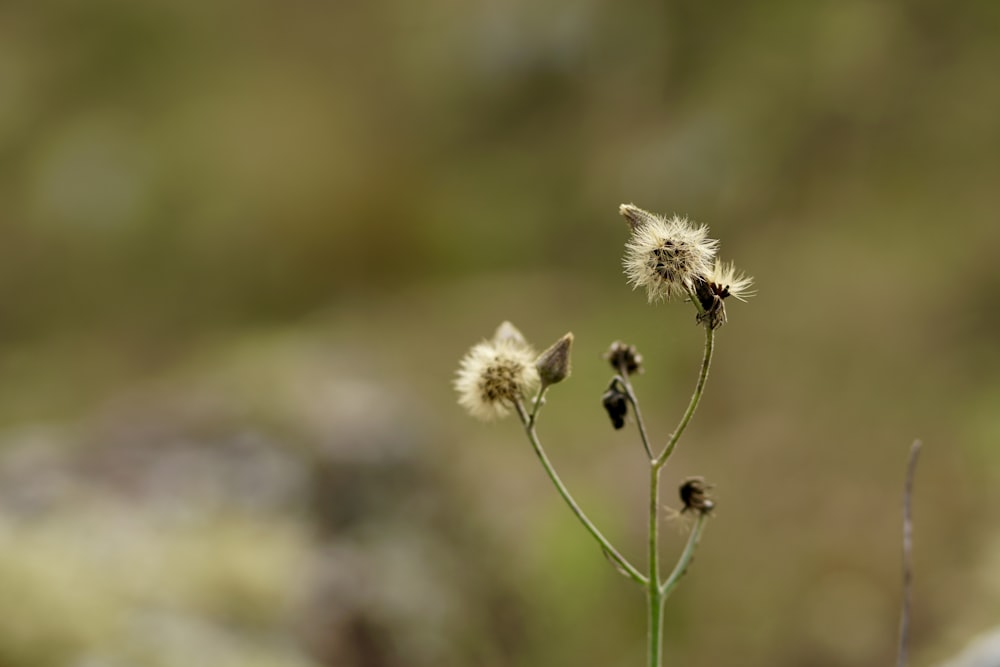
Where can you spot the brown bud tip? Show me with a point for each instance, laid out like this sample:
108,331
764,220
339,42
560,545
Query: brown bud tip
625,359
694,496
553,364
635,216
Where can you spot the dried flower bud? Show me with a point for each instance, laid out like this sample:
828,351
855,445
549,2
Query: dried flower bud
694,496
624,358
616,403
553,364
635,216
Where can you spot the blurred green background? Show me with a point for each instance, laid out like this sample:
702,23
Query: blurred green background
244,245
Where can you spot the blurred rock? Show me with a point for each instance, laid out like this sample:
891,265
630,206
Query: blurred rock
981,652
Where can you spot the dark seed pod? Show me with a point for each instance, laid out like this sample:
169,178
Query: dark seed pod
616,404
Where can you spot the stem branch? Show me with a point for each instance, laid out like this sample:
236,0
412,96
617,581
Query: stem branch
686,556
622,379
627,568
904,617
695,399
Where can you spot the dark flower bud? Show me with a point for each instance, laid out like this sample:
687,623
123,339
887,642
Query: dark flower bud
694,496
616,403
625,359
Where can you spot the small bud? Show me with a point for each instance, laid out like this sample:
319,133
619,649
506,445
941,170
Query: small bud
616,403
624,358
553,364
694,496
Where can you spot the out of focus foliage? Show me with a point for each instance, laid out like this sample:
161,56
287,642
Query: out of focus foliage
244,245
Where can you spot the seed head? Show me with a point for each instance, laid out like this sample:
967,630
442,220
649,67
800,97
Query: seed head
496,373
726,281
666,256
722,282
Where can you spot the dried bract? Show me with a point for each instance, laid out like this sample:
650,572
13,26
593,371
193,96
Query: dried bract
635,216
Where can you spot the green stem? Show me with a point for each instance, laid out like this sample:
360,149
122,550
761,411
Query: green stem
657,593
627,568
622,378
695,399
536,404
686,556
653,595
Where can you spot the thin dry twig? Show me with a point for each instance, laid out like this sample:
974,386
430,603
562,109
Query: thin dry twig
904,619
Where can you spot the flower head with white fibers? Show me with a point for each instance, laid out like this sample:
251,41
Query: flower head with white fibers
722,282
667,256
496,373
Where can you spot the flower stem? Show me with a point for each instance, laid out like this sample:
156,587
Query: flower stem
904,619
686,556
695,399
653,595
536,405
657,593
627,568
622,379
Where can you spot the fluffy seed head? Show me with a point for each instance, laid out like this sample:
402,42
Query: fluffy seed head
496,373
727,281
666,255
